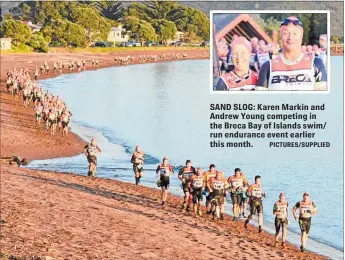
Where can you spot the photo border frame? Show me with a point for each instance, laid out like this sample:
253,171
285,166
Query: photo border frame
212,12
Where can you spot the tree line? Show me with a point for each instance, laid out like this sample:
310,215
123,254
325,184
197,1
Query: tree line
78,23
314,24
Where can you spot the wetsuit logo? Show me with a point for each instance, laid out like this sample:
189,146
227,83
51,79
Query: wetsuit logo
299,78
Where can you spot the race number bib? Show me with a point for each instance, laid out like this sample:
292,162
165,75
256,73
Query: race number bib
306,210
164,172
257,193
92,151
138,160
282,210
187,175
139,166
218,185
197,184
237,183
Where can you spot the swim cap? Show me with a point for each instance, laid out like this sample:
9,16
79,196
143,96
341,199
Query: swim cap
165,158
281,194
241,41
305,194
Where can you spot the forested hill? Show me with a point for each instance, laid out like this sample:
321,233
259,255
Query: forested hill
336,8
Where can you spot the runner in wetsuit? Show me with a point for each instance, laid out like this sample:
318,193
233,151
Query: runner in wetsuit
163,172
306,209
137,159
255,195
65,119
241,77
237,182
207,176
292,69
38,110
90,151
184,176
217,187
196,185
281,211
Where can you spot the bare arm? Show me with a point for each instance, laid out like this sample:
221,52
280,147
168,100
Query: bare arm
294,212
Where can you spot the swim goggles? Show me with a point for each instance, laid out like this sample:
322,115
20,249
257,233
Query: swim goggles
288,21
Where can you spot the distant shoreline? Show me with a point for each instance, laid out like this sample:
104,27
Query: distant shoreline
56,145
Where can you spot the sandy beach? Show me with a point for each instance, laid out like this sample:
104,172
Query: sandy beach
51,215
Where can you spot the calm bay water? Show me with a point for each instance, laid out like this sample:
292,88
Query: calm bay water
164,108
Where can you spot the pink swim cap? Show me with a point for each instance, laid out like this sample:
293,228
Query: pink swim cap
242,41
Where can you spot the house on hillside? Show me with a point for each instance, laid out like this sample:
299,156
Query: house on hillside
242,25
34,27
117,34
179,36
5,43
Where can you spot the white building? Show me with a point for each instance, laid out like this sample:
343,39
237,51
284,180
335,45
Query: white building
5,43
34,27
179,36
117,34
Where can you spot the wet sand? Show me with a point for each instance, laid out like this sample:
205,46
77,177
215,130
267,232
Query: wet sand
67,216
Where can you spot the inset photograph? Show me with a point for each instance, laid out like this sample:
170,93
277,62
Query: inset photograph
270,51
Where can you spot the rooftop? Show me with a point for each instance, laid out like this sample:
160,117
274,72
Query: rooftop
242,25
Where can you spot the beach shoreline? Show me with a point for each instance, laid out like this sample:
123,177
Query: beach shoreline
54,214
16,133
46,209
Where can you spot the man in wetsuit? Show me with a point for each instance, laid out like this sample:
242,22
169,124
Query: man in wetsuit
306,208
184,176
255,195
237,182
207,176
163,172
14,160
217,187
241,77
196,186
90,151
292,69
281,211
137,159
